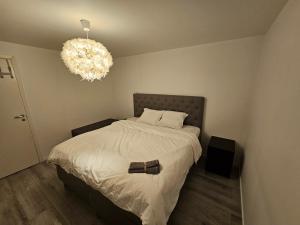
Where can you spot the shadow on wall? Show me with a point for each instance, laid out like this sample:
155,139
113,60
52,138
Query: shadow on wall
204,136
238,161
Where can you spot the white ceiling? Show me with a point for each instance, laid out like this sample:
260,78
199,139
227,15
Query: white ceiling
128,27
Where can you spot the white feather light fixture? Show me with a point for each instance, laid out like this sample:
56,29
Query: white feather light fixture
86,57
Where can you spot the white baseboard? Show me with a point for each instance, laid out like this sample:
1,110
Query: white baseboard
242,201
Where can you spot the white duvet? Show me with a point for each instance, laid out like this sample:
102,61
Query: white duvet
101,158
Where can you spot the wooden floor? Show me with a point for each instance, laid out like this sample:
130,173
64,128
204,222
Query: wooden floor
36,196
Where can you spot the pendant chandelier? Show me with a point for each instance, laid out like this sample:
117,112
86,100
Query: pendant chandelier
86,57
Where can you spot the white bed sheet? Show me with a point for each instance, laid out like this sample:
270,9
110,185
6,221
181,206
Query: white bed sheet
101,158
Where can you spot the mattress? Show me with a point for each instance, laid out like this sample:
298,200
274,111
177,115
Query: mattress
101,159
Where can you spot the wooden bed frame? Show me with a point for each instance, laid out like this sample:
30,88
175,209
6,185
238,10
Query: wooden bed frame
106,210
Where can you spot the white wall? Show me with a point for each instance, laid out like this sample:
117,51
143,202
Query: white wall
271,176
222,72
57,100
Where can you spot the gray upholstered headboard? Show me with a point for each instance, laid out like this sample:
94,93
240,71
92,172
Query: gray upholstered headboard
192,105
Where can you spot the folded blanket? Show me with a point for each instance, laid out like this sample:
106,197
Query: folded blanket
138,165
150,167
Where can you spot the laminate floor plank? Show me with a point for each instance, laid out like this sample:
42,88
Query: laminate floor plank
28,194
236,220
10,214
201,208
47,217
36,196
211,193
75,210
5,189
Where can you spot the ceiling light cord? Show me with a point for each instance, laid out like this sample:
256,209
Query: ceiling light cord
86,25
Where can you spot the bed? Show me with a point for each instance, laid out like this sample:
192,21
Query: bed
94,165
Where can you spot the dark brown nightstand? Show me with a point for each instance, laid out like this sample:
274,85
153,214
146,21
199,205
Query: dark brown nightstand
220,156
93,126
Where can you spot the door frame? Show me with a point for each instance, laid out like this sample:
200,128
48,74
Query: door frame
15,72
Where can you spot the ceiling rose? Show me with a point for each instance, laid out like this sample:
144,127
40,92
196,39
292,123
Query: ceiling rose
86,57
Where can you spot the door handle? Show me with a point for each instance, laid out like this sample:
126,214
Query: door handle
21,116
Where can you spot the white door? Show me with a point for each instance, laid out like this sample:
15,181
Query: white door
17,149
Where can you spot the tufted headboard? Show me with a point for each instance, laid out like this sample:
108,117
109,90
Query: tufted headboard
192,105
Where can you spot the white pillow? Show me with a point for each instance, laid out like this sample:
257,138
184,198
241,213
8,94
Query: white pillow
150,116
172,119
